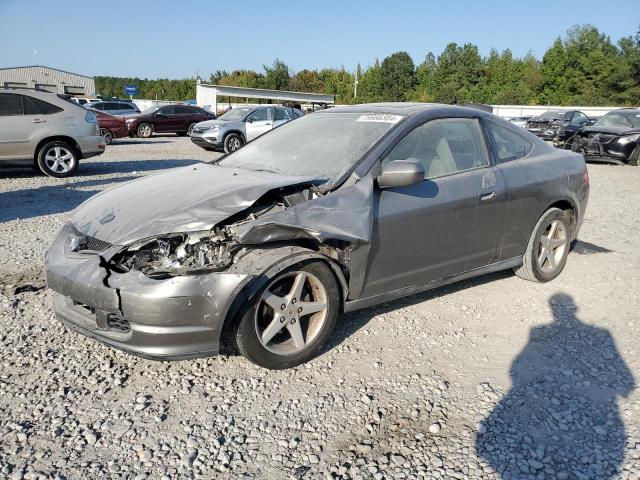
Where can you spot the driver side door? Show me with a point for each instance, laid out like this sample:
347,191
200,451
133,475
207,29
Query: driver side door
165,119
259,122
449,223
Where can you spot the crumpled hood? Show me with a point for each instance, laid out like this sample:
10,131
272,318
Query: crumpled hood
611,129
187,199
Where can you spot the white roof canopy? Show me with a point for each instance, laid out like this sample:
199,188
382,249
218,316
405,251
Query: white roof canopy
260,93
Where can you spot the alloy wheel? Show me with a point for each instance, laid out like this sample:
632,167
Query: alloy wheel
552,247
59,159
291,313
108,136
234,144
144,131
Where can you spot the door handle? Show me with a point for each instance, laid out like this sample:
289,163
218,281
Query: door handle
488,194
38,120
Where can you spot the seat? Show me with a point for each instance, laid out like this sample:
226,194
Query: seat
444,163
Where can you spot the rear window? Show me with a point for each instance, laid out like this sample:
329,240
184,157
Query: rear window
35,106
10,104
507,144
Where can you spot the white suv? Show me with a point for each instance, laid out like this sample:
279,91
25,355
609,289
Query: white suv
48,129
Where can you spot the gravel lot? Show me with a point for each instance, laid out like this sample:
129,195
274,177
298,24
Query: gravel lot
490,378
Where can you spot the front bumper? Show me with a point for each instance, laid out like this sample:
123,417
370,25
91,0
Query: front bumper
174,318
91,146
207,141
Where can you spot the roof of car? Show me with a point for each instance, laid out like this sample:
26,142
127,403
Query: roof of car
400,108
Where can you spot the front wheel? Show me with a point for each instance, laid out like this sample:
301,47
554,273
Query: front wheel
144,130
232,142
548,247
292,317
57,159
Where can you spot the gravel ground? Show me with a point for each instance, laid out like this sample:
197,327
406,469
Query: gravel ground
490,378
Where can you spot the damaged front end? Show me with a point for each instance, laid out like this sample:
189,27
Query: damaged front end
609,147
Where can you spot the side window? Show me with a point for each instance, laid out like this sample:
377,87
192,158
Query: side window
98,106
443,147
35,106
125,106
579,119
168,110
508,144
260,115
10,104
183,110
281,114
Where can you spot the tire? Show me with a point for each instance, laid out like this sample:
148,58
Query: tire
232,142
144,130
191,125
57,159
538,267
634,158
107,134
275,337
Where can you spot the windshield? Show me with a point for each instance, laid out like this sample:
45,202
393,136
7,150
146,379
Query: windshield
324,146
149,111
552,115
235,114
626,119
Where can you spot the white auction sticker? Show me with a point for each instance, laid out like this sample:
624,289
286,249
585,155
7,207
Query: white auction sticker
379,117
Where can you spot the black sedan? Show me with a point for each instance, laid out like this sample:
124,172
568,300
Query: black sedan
557,125
340,210
614,138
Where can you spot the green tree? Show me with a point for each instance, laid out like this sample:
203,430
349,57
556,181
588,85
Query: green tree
370,87
306,81
276,75
397,77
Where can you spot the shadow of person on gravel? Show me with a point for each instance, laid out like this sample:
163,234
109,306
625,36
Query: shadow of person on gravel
560,419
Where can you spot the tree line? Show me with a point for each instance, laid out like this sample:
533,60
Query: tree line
582,68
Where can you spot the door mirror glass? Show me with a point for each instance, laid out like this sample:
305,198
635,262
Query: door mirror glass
401,173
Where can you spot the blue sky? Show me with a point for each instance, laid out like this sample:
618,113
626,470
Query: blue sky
174,38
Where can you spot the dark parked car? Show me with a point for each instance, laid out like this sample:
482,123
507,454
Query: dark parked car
557,125
336,211
114,107
614,138
178,119
111,126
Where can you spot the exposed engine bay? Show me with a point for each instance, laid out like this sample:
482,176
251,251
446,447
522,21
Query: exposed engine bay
195,252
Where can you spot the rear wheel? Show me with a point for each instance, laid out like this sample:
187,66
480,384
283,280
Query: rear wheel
232,142
190,129
144,130
548,247
107,134
292,317
57,159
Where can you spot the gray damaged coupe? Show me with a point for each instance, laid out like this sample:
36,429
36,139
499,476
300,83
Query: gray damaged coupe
337,211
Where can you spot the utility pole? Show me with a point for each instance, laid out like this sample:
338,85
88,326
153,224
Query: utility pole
355,83
35,52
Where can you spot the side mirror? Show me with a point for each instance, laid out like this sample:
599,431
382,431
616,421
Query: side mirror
249,120
401,173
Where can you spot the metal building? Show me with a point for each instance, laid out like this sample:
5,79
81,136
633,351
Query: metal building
207,95
47,78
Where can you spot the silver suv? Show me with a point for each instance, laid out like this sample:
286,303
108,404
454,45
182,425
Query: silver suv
114,107
240,125
47,129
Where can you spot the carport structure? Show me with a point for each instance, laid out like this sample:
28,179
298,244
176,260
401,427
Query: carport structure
207,94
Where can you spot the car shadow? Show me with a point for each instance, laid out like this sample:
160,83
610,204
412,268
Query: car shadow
560,419
129,166
92,168
585,248
118,142
50,199
348,324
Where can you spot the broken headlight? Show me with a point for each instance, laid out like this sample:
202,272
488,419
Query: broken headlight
177,254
